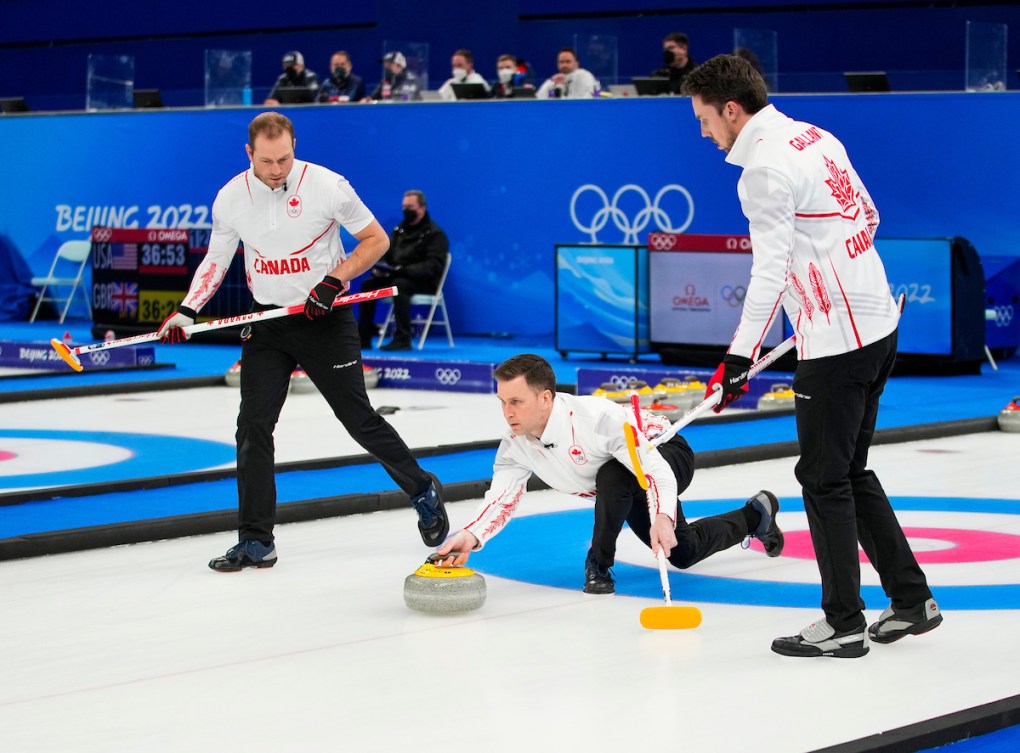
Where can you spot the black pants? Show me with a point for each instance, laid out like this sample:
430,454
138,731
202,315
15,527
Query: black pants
406,287
328,350
619,498
837,407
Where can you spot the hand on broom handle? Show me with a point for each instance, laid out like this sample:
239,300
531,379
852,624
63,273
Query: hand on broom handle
712,400
70,355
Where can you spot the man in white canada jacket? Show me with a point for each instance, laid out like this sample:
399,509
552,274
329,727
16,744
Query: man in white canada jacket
577,445
812,226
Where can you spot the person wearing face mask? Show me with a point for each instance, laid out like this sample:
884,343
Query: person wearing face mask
296,85
462,66
342,85
677,59
413,264
399,84
512,73
572,82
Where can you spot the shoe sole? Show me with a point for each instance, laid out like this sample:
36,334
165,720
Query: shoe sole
778,549
919,629
599,592
230,568
847,652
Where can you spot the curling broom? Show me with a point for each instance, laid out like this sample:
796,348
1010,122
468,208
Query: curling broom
70,355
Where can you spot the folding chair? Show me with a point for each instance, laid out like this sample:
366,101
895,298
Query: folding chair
70,252
436,303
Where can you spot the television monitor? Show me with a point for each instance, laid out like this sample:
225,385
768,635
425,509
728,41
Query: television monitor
147,98
295,95
470,91
651,86
524,92
867,81
13,104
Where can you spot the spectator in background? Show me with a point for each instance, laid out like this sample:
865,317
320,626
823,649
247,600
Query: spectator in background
676,56
342,85
462,66
511,73
572,82
296,85
413,264
398,84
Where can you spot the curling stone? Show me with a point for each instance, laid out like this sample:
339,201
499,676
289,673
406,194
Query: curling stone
610,391
434,589
371,376
780,397
299,382
666,410
233,375
1009,417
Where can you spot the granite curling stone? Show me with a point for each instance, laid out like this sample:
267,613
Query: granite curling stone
436,589
1009,417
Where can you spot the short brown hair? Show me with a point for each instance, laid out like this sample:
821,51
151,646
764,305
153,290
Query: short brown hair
418,195
506,56
467,55
727,78
271,125
537,372
677,36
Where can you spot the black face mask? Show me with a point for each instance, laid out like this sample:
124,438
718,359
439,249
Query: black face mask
291,72
668,57
389,76
410,215
339,76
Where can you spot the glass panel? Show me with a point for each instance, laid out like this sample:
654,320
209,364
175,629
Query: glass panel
407,84
599,55
761,48
227,77
110,82
986,57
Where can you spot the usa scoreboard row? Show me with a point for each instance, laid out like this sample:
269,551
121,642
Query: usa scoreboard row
140,276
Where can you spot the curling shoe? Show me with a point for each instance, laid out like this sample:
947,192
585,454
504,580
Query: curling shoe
597,579
433,523
767,532
893,624
821,639
246,553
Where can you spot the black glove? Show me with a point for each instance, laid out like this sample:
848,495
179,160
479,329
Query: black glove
170,332
731,378
320,300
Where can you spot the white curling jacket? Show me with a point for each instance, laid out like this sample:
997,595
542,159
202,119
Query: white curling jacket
291,235
582,435
812,226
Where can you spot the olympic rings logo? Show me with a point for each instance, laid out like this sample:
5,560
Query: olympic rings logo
99,358
659,242
145,360
630,227
1003,315
733,294
448,376
621,382
102,234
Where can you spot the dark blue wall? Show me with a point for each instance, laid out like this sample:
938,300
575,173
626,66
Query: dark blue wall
44,44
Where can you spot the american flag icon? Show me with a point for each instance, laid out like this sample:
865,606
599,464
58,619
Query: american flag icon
125,256
125,297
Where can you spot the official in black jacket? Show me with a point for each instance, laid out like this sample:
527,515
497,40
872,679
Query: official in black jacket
414,264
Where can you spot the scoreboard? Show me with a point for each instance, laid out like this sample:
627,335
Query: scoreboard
140,276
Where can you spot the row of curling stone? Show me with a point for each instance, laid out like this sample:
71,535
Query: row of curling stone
436,589
1009,417
780,397
299,381
670,398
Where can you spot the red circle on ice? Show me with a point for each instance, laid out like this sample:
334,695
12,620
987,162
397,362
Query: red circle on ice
961,545
4,455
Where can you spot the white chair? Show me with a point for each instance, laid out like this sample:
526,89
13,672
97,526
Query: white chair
70,252
436,303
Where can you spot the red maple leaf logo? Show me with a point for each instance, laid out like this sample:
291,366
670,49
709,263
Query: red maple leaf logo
842,188
293,201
